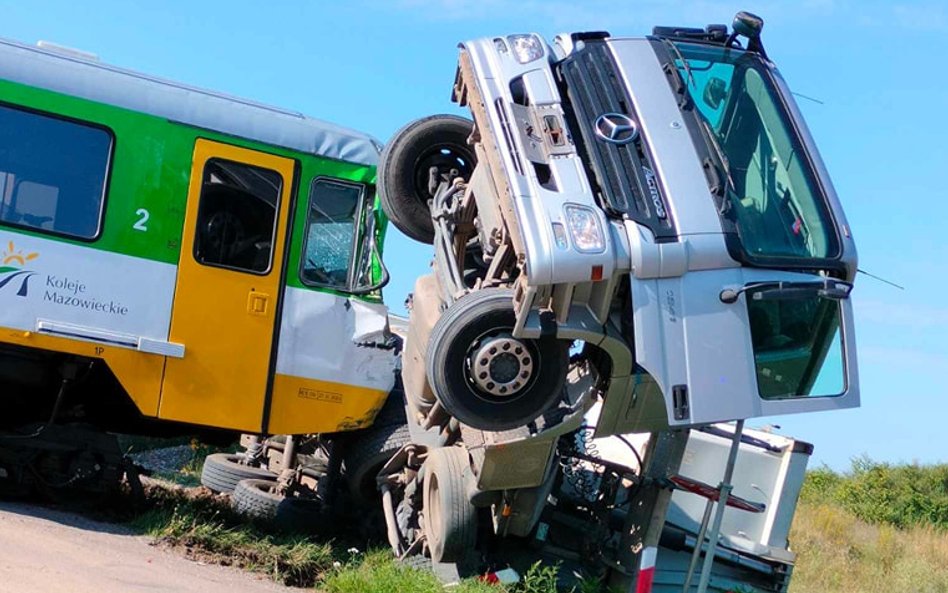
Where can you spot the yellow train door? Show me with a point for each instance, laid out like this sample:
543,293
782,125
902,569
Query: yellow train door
228,285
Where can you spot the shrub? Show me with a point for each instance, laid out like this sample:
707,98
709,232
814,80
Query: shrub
882,493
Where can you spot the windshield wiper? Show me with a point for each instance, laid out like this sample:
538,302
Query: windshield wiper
684,62
722,159
706,129
829,288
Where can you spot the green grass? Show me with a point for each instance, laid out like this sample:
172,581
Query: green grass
876,529
378,572
205,528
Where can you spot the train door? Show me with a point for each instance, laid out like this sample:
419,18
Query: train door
228,286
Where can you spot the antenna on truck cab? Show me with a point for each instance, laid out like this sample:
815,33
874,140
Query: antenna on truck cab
880,278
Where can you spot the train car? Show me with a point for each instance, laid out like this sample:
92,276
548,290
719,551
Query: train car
172,253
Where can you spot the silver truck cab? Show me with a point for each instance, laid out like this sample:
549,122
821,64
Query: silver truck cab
657,200
643,224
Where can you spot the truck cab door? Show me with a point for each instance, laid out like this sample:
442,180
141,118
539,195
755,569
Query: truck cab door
765,353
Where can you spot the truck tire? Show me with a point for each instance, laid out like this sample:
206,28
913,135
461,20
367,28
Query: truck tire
434,141
222,472
490,388
256,499
367,453
450,520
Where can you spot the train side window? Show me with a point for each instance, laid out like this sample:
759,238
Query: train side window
236,219
52,173
330,243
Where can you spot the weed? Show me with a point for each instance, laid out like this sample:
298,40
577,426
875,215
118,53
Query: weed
540,578
377,572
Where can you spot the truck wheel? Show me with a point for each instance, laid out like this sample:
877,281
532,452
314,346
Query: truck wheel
222,471
258,499
450,520
434,141
485,377
370,449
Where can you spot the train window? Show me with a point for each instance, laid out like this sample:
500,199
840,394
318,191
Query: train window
330,241
52,173
237,216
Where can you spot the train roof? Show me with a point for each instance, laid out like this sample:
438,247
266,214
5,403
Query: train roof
71,73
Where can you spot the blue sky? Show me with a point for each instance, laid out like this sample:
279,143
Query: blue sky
375,65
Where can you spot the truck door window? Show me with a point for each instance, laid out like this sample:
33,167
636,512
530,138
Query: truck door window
798,348
330,242
52,173
237,216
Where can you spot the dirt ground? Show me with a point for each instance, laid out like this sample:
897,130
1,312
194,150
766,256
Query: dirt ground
52,551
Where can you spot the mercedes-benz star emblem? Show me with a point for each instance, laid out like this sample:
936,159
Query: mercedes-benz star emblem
616,128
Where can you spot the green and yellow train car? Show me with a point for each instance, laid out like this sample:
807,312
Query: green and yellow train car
209,260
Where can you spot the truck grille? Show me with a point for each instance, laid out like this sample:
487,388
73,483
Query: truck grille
625,173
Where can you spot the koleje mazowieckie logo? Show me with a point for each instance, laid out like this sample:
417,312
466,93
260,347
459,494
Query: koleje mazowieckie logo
12,273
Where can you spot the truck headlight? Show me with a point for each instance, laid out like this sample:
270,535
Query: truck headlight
584,229
526,48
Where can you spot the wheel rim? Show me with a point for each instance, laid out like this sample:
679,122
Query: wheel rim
501,366
445,157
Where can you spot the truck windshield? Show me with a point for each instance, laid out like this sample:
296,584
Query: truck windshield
773,198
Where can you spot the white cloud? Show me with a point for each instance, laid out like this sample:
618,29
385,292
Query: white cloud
924,17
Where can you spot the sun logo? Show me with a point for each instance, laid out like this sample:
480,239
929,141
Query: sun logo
13,256
9,273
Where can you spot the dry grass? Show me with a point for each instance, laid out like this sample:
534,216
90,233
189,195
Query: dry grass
839,553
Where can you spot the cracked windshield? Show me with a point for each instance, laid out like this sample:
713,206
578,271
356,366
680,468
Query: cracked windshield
328,250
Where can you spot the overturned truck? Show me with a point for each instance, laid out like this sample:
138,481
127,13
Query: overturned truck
640,225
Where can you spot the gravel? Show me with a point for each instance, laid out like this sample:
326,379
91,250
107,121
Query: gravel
165,461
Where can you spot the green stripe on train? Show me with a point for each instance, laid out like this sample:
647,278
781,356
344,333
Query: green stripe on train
151,169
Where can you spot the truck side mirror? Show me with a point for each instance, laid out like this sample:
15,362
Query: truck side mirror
748,24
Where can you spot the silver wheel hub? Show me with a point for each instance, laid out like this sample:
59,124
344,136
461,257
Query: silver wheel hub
501,366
